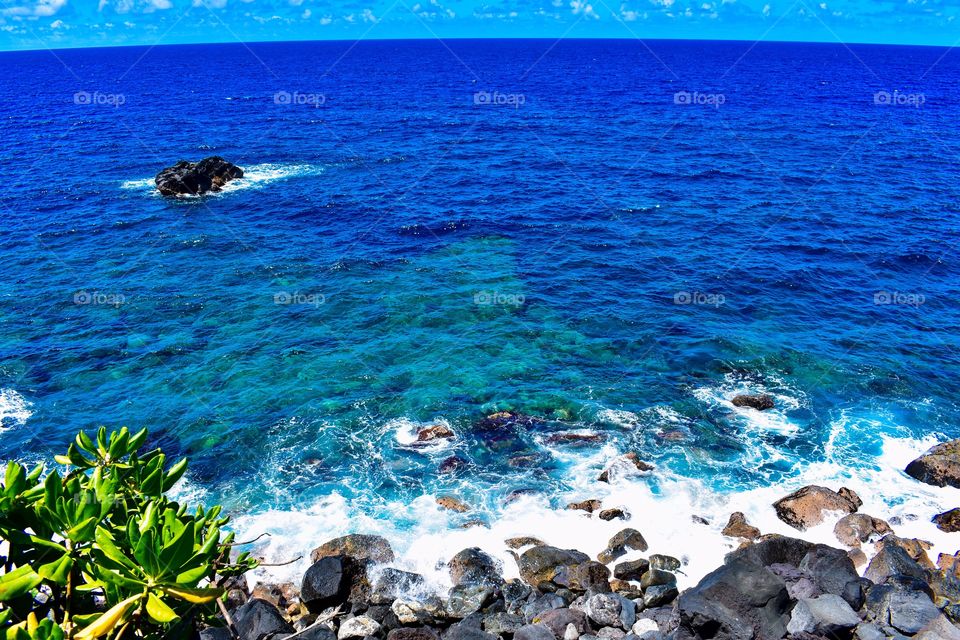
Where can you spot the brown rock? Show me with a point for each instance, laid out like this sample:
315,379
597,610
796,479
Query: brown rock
760,402
805,508
855,529
626,589
280,595
614,514
948,521
453,504
524,541
586,505
625,464
357,546
949,565
626,539
915,548
738,527
857,557
940,466
434,432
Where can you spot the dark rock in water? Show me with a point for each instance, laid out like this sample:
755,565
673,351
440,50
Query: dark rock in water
326,583
195,178
258,618
585,505
360,547
534,632
453,464
453,504
742,600
614,514
435,432
625,465
393,583
632,570
854,529
413,633
523,541
804,508
738,527
940,466
664,562
760,402
948,521
573,437
626,540
557,621
474,567
506,419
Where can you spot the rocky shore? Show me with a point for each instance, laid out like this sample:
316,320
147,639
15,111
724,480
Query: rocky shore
874,585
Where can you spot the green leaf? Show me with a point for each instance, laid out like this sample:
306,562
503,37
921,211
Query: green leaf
81,532
196,596
110,620
57,571
175,473
18,582
159,611
191,577
180,549
85,443
136,441
108,546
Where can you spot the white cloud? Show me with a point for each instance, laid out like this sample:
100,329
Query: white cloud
306,14
41,8
368,16
325,20
766,10
57,24
583,7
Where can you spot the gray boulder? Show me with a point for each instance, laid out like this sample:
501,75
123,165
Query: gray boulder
534,632
475,567
826,615
258,618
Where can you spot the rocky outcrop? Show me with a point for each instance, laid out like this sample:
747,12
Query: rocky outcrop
806,507
196,178
364,548
760,402
948,521
452,504
940,466
738,527
857,528
434,432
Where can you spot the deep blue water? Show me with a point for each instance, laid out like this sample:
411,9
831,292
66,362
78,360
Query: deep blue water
389,200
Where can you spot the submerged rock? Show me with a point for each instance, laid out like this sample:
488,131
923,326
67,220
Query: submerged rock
196,178
585,505
940,466
453,504
805,507
434,432
625,465
760,402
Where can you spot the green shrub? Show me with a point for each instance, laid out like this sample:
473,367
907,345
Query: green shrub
101,552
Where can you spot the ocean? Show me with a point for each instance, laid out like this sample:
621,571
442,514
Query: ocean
614,236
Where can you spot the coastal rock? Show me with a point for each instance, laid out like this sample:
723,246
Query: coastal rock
940,629
625,540
585,505
892,561
411,611
760,402
940,466
657,577
664,562
452,504
475,567
831,570
534,632
413,633
258,618
523,541
549,568
614,514
632,570
326,583
741,600
915,548
827,615
557,620
574,437
541,604
502,623
359,627
948,521
452,465
610,610
363,548
626,465
195,178
279,595
660,595
902,606
738,527
854,529
391,584
467,631
435,432
805,508
466,599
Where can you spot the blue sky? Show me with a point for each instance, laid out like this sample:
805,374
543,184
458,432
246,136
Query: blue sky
33,24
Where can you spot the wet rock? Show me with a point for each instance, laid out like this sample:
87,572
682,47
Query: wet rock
738,527
940,466
258,618
364,548
467,631
760,402
452,465
664,562
557,621
827,615
857,557
503,623
473,566
466,599
660,595
657,577
626,589
773,549
574,437
524,541
326,583
196,178
632,570
359,627
915,548
614,514
855,529
413,633
806,507
605,609
534,632
624,466
411,611
453,504
549,568
948,521
619,544
586,505
390,584
892,561
742,600
279,595
435,432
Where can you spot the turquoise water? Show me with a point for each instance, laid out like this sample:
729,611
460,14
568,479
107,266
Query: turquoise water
401,252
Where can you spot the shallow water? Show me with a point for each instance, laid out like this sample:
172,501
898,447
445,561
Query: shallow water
404,250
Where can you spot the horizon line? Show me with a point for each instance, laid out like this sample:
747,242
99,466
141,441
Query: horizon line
464,38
